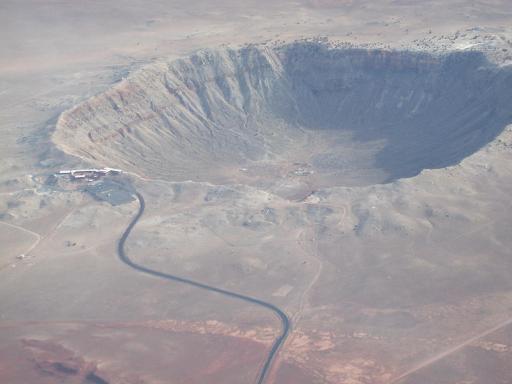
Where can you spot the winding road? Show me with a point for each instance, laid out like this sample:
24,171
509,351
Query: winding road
285,322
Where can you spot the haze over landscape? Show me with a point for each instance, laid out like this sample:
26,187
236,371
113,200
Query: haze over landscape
256,192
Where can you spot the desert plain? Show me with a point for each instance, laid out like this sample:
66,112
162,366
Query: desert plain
347,162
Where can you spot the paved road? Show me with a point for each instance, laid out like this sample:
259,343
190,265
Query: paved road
285,322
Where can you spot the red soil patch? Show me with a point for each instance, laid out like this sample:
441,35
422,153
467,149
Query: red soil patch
105,354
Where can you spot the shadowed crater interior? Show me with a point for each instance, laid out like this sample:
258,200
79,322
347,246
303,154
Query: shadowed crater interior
299,115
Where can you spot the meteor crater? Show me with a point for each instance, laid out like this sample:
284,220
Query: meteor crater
298,114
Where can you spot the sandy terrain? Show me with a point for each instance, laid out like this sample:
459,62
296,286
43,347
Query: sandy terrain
395,270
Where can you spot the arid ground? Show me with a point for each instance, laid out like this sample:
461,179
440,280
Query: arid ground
349,162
